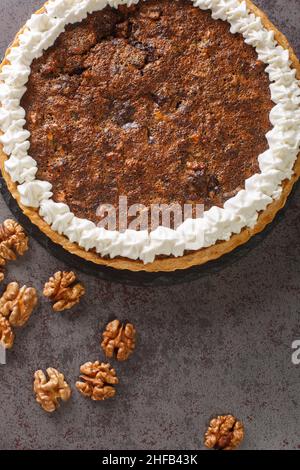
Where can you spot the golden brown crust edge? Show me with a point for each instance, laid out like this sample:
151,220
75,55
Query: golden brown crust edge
170,264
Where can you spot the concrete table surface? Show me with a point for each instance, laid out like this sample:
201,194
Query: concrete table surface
219,344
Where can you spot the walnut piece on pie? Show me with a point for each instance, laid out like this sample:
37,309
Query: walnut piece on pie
151,121
97,380
50,390
13,243
6,333
224,433
119,339
63,290
17,304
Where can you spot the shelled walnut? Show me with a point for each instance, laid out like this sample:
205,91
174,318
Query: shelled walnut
17,304
13,242
199,180
6,333
97,380
224,432
50,391
63,290
119,339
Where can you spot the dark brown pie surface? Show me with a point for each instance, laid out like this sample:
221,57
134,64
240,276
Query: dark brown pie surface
157,102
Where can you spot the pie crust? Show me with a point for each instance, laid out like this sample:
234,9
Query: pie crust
190,259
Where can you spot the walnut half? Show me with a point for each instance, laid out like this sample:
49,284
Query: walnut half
224,433
17,304
6,333
97,380
49,391
13,242
118,339
63,290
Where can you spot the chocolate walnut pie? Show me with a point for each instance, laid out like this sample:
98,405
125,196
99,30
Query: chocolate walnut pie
164,102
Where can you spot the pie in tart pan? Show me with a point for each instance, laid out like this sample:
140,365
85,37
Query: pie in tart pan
164,101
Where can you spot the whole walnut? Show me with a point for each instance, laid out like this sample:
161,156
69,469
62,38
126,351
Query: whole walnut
97,380
225,432
119,339
63,290
17,304
50,391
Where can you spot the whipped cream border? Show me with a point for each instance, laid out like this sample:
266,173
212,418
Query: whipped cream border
276,164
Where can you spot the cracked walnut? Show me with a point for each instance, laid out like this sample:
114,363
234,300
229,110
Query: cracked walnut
6,333
224,433
49,391
97,380
17,304
63,290
119,339
13,242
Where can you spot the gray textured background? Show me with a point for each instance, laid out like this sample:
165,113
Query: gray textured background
219,344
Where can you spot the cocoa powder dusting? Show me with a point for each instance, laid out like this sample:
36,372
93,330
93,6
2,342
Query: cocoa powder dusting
158,102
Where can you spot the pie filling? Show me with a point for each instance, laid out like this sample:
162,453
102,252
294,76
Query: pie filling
158,102
163,102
